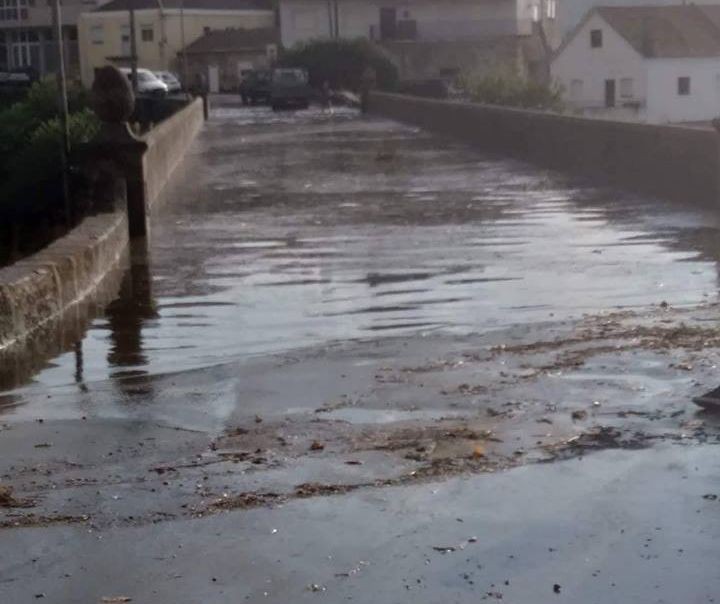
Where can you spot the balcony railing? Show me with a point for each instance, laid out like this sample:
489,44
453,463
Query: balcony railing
452,29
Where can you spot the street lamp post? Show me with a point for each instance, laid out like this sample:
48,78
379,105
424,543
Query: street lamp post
133,48
163,35
186,84
62,105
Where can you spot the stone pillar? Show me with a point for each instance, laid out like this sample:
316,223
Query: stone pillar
369,81
113,102
206,105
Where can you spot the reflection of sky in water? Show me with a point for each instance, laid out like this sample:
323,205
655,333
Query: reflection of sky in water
292,234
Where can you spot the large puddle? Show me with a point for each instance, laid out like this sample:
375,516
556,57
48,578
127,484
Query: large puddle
283,231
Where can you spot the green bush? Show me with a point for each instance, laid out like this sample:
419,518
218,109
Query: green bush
18,122
342,63
37,163
31,139
514,91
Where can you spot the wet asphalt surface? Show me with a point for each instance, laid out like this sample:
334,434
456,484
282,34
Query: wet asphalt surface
292,230
356,362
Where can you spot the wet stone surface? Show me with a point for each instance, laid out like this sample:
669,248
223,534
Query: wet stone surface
371,364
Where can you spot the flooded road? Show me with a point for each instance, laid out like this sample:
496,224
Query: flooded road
357,359
289,230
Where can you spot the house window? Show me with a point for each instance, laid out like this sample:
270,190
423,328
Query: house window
596,40
576,90
626,88
147,34
125,40
12,10
24,49
683,86
96,34
550,8
535,13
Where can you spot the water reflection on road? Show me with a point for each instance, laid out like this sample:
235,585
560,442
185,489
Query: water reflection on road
290,230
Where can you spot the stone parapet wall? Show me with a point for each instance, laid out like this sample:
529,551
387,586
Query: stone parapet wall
39,288
671,162
167,144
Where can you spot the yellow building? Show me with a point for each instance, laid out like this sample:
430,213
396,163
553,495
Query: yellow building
162,29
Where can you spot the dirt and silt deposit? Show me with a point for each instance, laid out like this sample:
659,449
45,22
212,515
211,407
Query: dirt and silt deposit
334,419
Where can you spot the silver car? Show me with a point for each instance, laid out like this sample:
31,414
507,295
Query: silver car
147,82
170,80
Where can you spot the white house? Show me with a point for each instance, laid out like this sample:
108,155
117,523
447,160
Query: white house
657,64
570,13
416,20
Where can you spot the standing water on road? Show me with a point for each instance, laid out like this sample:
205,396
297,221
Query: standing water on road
288,230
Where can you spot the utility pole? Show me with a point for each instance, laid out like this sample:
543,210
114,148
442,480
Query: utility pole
163,36
331,35
186,84
336,6
62,105
133,48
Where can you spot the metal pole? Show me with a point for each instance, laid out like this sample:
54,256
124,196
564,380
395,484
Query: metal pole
62,105
163,39
337,19
133,48
186,84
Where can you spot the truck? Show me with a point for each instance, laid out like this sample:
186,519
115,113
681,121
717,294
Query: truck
290,89
255,86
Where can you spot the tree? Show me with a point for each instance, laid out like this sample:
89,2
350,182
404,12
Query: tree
342,63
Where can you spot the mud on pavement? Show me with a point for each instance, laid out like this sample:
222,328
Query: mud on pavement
330,420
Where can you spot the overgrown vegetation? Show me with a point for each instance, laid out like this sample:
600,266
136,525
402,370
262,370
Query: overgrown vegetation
513,90
30,167
342,63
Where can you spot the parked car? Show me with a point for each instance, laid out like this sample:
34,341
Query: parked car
20,76
290,88
255,86
14,80
147,82
170,80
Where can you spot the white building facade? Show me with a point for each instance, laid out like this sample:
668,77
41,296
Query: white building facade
650,64
572,12
416,20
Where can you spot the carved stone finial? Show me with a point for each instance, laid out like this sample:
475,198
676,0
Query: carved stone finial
112,97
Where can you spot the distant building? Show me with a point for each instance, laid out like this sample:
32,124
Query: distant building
26,36
656,64
429,37
162,28
222,55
